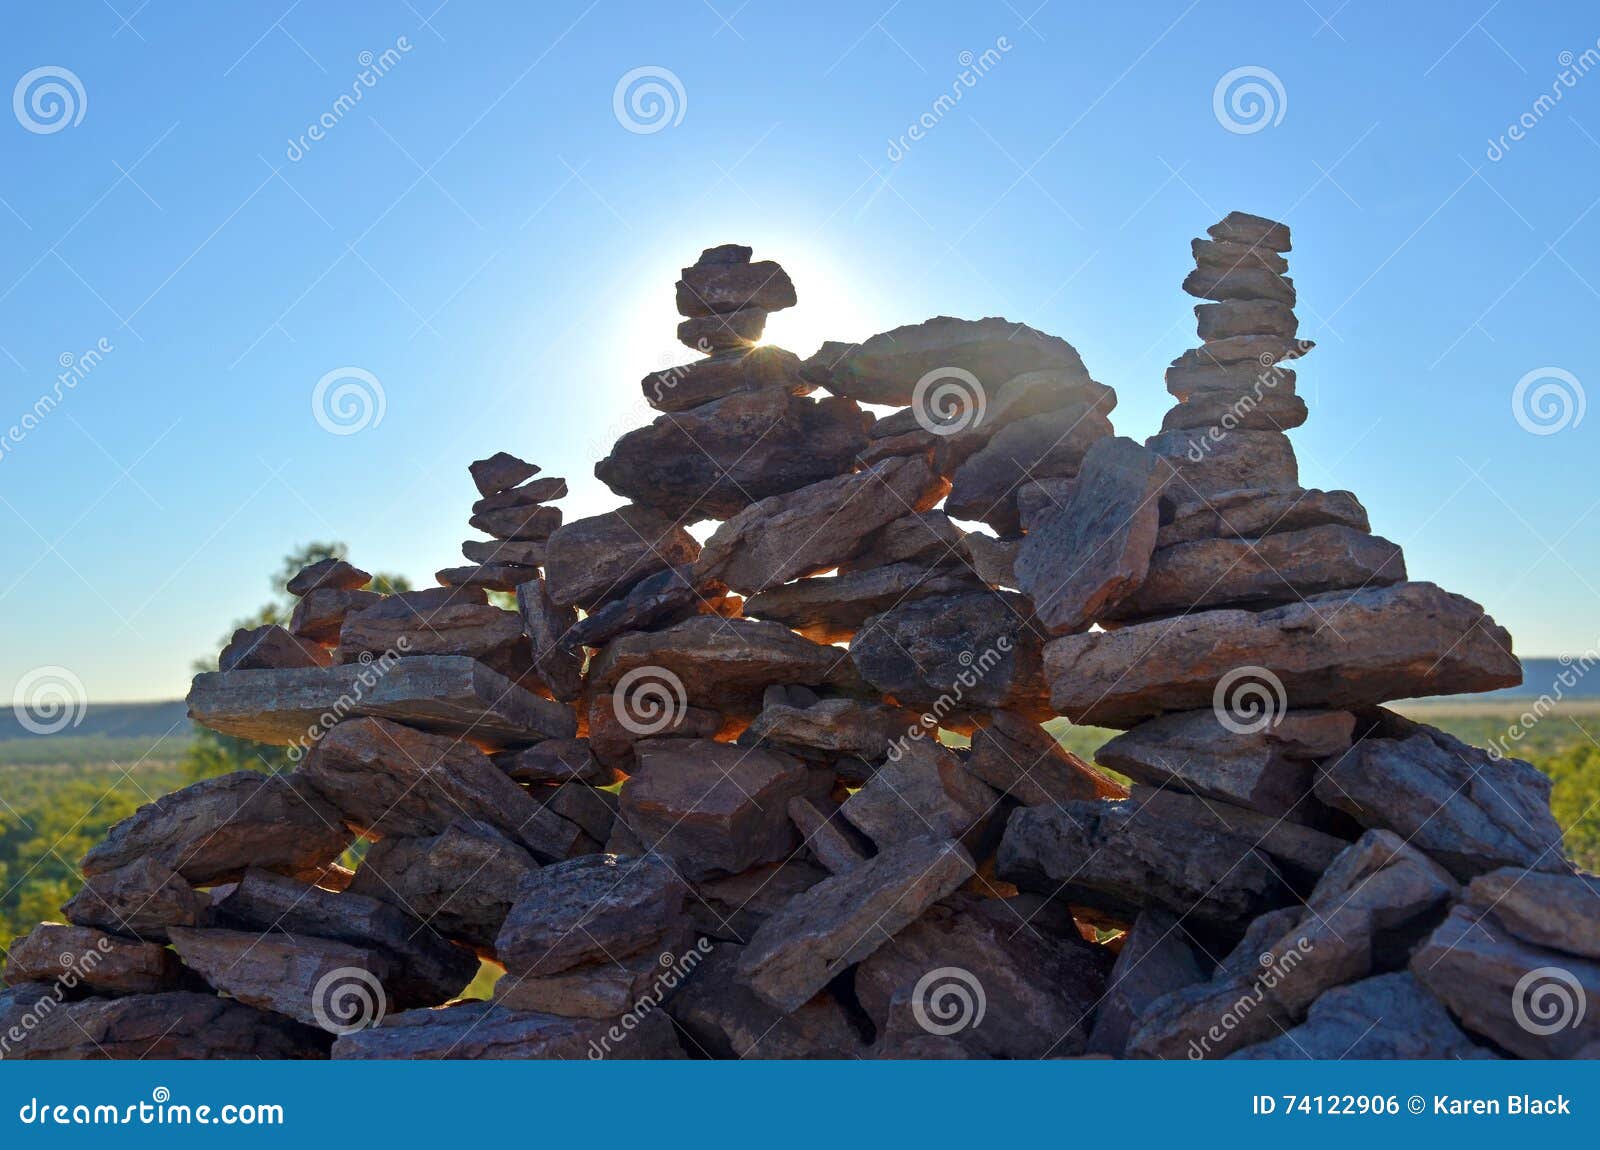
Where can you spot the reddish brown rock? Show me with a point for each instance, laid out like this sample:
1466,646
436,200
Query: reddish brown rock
322,612
138,900
1212,461
492,636
82,959
956,654
721,663
1051,445
841,920
268,647
922,790
556,658
590,909
649,709
816,527
1252,231
489,576
1252,514
692,384
831,609
499,472
1241,411
1245,317
1267,766
310,980
1094,552
1228,254
607,988
386,779
830,729
477,1030
462,881
720,282
592,561
1399,642
887,367
1239,283
533,523
504,552
210,831
927,537
1551,910
1018,758
715,807
717,459
1387,1017
660,600
555,761
178,1025
728,331
529,495
1280,568
992,560
827,836
331,574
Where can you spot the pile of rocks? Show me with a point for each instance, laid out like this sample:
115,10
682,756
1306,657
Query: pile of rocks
705,799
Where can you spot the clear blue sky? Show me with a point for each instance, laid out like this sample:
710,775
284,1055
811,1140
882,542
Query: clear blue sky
483,236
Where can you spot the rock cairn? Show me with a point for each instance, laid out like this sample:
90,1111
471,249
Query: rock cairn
693,799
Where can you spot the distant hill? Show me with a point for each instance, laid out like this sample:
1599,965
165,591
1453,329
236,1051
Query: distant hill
1539,677
110,721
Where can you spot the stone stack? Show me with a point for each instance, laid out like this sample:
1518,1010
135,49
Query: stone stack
712,799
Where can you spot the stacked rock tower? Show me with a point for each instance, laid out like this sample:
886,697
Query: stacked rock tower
788,793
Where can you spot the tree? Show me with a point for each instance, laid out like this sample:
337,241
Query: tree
213,753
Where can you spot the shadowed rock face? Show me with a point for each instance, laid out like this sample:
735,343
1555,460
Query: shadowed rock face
179,1025
592,561
139,900
1340,1025
715,460
722,1018
488,1030
81,958
211,831
1333,650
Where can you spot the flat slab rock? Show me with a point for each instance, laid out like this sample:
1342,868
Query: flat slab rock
716,808
1103,855
717,459
1271,770
1470,810
1335,650
394,628
595,560
1208,464
921,790
387,779
211,831
1022,760
474,1030
462,881
176,1025
722,663
720,281
742,369
139,900
885,369
1281,568
1552,910
831,609
449,694
306,979
608,988
268,647
423,969
973,652
100,963
1092,554
1052,444
596,908
1524,998
1252,514
659,600
829,729
1388,1016
816,527
1300,852
843,919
